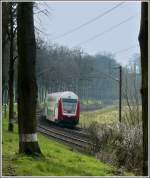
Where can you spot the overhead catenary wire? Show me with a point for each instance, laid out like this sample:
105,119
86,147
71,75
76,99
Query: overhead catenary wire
126,49
106,31
89,21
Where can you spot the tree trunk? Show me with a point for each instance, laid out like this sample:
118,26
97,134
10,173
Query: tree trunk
11,72
143,41
27,88
4,35
4,26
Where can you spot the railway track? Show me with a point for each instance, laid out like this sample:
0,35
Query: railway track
75,138
75,130
70,139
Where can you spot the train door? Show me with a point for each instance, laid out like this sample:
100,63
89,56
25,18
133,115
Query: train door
56,111
49,108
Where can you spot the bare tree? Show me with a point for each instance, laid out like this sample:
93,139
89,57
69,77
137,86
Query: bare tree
143,41
27,88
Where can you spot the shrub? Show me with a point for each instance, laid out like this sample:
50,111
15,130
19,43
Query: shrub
118,144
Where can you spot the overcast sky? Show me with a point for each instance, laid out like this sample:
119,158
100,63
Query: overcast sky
65,16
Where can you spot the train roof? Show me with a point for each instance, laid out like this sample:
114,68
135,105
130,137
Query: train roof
65,94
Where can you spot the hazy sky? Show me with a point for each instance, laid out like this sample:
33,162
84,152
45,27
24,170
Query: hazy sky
64,16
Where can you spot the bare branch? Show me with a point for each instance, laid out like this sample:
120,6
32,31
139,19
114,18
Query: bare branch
44,11
41,31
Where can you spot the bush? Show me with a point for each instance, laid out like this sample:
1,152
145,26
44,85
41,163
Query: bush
118,144
99,135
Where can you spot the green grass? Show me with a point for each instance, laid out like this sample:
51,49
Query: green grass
59,160
106,115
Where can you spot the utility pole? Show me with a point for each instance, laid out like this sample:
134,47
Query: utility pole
120,89
120,92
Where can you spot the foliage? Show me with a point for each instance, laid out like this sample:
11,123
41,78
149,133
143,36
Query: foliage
118,144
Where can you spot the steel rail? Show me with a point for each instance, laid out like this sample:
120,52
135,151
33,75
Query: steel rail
69,139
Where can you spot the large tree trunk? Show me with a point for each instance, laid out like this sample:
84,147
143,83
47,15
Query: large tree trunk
4,35
27,88
143,40
4,25
11,71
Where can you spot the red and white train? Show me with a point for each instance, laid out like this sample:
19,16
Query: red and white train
62,107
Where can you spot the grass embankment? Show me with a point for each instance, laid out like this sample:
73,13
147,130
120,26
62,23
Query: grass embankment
58,159
106,115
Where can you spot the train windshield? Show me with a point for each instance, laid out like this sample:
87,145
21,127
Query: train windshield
69,105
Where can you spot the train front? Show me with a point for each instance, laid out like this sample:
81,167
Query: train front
70,108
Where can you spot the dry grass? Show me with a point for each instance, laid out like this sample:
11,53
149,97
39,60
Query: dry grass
106,115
